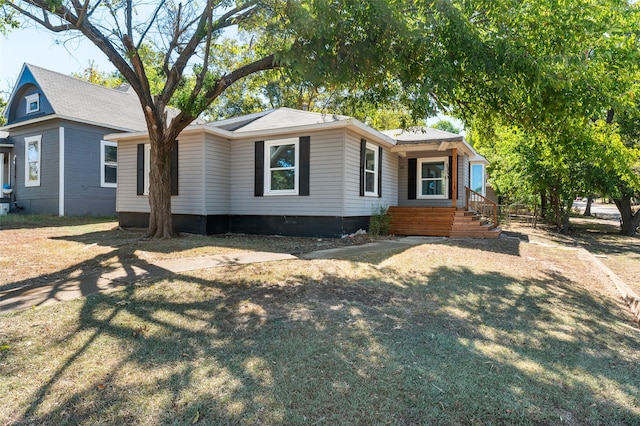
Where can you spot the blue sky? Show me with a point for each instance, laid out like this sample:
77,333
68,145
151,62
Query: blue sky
45,49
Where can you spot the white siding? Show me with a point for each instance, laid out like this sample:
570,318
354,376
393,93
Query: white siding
355,205
325,181
126,198
190,172
190,198
217,192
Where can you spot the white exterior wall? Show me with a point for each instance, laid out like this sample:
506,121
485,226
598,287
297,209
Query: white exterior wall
325,179
126,198
355,205
190,177
217,189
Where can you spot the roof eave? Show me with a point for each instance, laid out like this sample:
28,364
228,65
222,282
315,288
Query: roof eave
63,117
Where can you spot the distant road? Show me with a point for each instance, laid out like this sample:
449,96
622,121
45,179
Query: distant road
603,211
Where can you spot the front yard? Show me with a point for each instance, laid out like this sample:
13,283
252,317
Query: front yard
449,332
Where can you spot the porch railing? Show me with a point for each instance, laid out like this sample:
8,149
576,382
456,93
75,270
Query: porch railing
481,205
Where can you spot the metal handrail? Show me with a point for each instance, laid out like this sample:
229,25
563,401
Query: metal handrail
481,205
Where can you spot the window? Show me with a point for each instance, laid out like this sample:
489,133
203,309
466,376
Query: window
108,164
33,103
371,170
281,167
432,178
477,178
147,167
32,158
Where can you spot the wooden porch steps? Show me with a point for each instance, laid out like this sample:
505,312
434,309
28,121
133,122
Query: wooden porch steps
440,222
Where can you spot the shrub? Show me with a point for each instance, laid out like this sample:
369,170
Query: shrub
379,221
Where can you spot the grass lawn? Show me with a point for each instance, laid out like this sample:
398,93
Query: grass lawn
449,332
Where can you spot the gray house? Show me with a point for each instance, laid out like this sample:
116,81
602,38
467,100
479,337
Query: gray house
293,172
53,155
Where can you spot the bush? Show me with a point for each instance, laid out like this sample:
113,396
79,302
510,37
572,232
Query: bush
379,221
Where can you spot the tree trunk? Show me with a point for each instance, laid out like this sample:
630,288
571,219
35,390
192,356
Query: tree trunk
566,216
160,223
543,204
587,209
629,221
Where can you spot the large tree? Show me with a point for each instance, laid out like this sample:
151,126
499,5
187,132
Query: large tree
324,40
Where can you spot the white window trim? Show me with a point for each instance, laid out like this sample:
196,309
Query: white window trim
445,183
484,171
35,97
147,167
267,167
103,164
27,141
375,171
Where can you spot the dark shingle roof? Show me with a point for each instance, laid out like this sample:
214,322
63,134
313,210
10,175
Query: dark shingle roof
87,102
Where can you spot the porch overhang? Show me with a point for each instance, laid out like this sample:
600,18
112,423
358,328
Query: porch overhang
404,149
4,140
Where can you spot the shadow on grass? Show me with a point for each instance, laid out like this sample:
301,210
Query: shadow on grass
447,347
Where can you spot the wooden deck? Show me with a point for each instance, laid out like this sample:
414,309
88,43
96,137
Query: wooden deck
440,222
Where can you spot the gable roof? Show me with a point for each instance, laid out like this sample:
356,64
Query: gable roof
280,118
78,100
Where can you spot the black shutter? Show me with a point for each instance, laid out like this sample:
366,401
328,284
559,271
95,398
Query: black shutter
412,177
174,169
379,172
363,154
304,157
449,173
140,170
259,169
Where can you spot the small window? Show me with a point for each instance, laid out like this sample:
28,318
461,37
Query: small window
432,178
371,170
32,158
108,164
281,167
477,178
33,103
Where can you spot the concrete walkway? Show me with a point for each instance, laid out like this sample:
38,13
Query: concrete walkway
48,292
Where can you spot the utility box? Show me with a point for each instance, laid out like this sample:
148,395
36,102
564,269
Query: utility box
4,208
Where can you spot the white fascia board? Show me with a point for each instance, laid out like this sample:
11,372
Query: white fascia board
462,146
63,117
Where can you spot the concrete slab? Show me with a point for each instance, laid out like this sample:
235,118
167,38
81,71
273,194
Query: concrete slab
215,261
347,252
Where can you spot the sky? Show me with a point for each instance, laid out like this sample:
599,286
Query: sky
47,50
44,49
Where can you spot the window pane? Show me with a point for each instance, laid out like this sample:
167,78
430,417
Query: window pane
282,156
476,178
32,154
34,171
33,106
110,154
283,179
432,187
370,160
370,179
433,170
110,173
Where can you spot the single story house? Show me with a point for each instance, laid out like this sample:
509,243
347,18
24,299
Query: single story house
54,159
294,172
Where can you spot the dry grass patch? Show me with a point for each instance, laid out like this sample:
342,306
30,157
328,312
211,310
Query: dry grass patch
450,332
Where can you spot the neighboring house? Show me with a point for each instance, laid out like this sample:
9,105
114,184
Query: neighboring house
293,172
52,152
